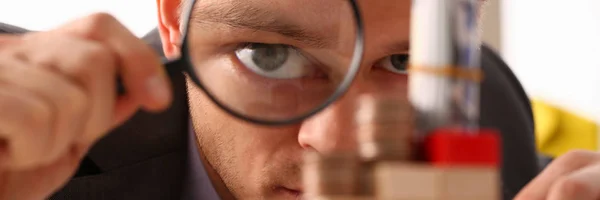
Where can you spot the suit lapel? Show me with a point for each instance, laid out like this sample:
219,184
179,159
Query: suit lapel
143,159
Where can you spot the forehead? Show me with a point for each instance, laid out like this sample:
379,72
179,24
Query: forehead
303,11
291,5
318,24
316,15
323,9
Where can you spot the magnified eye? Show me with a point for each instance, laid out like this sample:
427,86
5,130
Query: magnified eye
396,63
274,61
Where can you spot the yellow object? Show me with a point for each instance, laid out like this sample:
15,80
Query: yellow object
558,131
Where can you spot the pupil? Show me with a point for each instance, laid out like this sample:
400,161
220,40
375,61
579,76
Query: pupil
400,61
269,57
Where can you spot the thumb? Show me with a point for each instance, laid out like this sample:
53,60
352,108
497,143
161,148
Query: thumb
124,110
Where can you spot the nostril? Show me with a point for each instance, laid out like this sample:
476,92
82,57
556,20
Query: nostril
305,139
308,147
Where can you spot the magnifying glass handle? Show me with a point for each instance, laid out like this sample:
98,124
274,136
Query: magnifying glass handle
173,67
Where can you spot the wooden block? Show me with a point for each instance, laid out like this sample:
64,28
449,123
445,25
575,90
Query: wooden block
403,181
448,146
470,182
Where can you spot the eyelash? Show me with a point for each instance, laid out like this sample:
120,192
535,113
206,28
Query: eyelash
297,50
244,45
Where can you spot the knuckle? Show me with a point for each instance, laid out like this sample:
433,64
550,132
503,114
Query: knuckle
37,116
37,124
96,23
28,114
29,119
569,187
577,158
97,53
101,17
94,54
579,154
78,101
141,62
25,111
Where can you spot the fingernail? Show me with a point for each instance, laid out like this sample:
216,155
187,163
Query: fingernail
158,87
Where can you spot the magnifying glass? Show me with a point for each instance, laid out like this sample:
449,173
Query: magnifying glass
271,63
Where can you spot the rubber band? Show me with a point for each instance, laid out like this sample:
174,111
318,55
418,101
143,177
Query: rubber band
471,74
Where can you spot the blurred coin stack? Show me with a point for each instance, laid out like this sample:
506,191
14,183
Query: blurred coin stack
384,134
384,128
329,176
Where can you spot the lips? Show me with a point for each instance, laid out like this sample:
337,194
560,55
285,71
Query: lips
295,194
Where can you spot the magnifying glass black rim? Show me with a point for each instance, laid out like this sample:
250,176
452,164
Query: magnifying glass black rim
341,90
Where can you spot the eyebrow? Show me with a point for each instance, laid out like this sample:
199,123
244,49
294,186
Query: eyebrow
241,14
400,46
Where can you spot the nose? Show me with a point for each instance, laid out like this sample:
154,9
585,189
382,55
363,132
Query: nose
332,130
335,128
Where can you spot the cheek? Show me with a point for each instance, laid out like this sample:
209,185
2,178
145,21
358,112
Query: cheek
382,81
208,117
239,151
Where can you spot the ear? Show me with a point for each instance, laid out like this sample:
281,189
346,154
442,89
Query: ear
168,26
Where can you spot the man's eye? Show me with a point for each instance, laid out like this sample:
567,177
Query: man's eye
396,63
274,61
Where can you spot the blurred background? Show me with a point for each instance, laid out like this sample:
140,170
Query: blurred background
551,45
140,16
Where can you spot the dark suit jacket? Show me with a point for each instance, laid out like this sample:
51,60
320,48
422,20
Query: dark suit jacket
146,157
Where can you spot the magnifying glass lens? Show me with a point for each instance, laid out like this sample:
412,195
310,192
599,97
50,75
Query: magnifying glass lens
272,61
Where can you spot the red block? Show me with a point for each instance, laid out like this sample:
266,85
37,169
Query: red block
448,147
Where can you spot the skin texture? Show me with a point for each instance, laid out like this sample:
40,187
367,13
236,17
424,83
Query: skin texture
39,151
259,162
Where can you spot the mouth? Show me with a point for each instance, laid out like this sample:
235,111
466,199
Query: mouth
295,194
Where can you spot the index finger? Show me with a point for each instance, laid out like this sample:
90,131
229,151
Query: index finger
540,186
140,67
581,184
6,39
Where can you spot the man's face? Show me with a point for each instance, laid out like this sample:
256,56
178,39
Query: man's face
260,162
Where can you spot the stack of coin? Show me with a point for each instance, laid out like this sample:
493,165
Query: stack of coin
385,125
330,176
366,182
384,134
